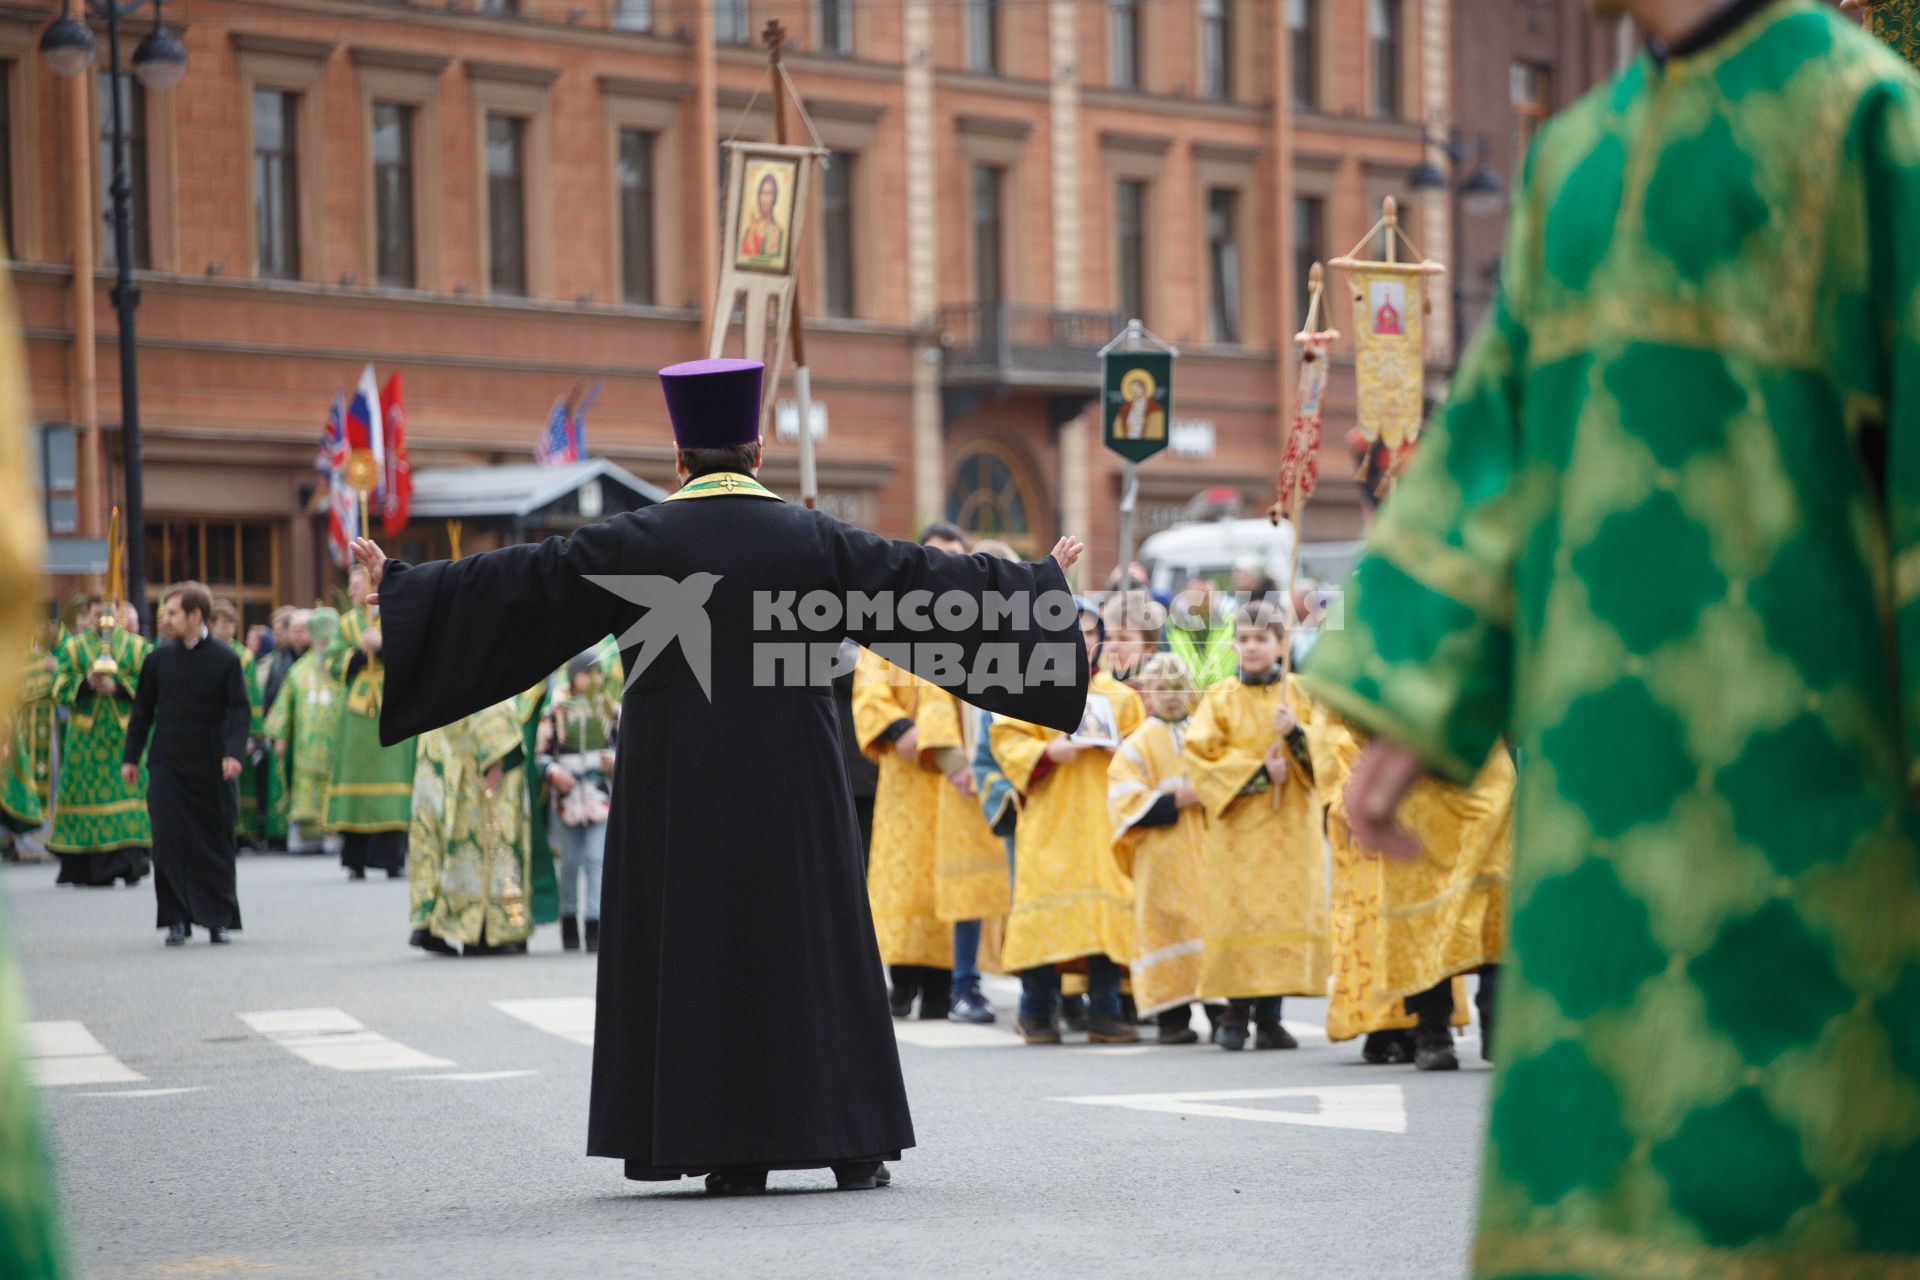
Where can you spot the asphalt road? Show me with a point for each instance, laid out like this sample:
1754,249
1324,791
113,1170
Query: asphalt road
319,1102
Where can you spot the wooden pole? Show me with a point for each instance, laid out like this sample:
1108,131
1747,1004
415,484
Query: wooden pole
776,40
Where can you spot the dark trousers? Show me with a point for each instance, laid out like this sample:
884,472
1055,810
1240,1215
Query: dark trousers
374,850
1434,1006
1040,990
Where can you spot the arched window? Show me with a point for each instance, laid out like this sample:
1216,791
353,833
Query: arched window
990,496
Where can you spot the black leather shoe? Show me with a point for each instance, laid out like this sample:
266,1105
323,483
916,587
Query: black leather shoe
737,1182
900,1000
1231,1033
593,935
1102,1029
1386,1047
1433,1051
569,933
862,1177
426,941
1274,1036
970,1005
356,873
1047,1032
396,873
176,934
1177,1035
1073,1013
218,936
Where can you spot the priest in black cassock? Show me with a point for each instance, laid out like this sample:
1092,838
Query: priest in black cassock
192,698
733,858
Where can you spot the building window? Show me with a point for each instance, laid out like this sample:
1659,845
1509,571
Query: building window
1216,48
732,24
836,26
988,497
393,194
506,204
983,35
276,185
633,15
989,190
1123,26
237,559
58,477
636,216
1532,93
1130,248
1223,263
1303,37
1309,226
1383,45
836,207
133,117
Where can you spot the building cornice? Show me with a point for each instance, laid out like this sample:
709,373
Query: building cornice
282,46
511,73
399,59
635,87
1172,105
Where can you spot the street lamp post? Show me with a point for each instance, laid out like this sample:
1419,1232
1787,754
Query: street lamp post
158,63
1478,194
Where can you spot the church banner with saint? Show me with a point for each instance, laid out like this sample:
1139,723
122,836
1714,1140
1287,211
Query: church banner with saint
1138,402
1389,322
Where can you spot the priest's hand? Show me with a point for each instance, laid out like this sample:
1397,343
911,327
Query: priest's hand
279,750
908,745
130,774
100,683
1276,764
1381,779
367,553
492,779
1284,722
229,769
370,639
1067,552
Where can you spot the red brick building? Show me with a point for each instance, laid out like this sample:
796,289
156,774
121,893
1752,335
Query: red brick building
498,199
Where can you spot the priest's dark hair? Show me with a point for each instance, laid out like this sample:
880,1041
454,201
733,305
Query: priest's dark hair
194,598
945,530
743,458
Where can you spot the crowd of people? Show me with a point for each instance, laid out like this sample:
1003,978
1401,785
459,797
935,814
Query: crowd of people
312,776
1187,845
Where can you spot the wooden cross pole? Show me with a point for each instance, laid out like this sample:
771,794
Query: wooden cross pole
775,38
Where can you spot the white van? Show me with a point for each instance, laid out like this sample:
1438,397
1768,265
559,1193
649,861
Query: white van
1211,547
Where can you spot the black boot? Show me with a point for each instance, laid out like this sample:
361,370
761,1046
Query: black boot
177,934
1176,1026
1231,1033
737,1182
906,985
1267,1031
1073,1013
936,994
1433,1038
426,940
862,1177
1383,1047
593,935
569,933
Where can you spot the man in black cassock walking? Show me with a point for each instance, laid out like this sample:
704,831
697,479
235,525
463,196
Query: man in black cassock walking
733,863
193,699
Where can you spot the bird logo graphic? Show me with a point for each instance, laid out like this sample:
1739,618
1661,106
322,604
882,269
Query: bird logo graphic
676,609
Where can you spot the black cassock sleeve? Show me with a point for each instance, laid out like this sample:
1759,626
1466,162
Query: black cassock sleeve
140,720
458,636
1022,657
239,713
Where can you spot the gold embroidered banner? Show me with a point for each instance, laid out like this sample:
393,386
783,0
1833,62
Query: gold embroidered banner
1389,340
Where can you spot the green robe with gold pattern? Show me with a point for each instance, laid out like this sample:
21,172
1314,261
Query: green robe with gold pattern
306,717
95,812
372,785
1667,539
26,759
469,849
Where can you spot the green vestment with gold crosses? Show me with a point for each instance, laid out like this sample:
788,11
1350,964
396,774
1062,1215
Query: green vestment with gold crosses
95,812
372,787
469,850
1666,539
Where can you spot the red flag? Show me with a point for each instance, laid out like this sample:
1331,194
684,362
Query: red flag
397,491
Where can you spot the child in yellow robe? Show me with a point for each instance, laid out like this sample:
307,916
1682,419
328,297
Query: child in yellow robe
1263,868
915,944
1071,901
1158,829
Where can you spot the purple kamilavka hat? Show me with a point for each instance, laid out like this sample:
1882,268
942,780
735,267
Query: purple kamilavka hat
713,403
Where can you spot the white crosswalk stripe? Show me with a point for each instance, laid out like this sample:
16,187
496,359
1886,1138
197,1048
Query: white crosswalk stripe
570,1018
335,1039
66,1053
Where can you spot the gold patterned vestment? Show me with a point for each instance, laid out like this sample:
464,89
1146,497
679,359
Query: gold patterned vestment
470,844
906,806
1070,898
1163,863
970,876
1263,864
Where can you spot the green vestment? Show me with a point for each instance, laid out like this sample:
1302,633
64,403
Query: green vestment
543,877
26,772
29,1243
469,848
95,812
372,785
306,717
1667,539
